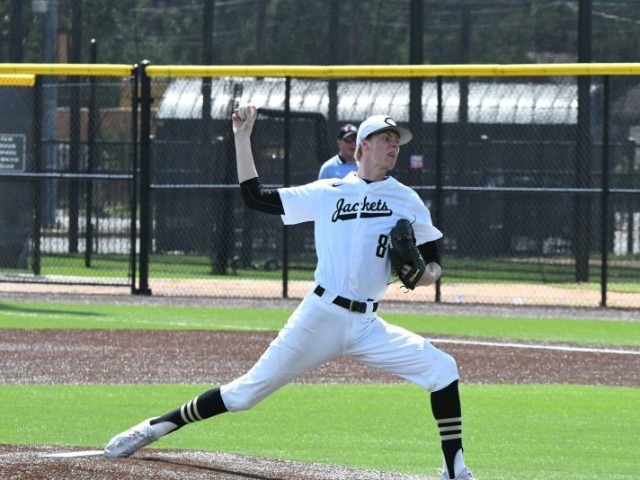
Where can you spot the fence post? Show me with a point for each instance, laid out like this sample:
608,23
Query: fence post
133,207
92,133
438,169
286,180
582,217
38,189
145,178
604,208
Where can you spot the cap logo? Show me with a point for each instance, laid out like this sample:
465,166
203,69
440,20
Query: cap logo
390,121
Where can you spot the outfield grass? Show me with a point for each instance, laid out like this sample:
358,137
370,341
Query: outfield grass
60,315
511,431
559,271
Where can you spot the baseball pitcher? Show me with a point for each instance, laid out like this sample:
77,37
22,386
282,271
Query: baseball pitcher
366,224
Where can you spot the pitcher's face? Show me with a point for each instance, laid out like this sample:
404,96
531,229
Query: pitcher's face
383,149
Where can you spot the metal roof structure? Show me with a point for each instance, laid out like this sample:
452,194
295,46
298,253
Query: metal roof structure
488,103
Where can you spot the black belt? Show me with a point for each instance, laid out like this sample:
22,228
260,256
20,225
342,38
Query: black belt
351,305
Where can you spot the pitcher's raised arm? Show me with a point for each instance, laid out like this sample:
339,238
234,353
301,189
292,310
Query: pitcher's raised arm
242,128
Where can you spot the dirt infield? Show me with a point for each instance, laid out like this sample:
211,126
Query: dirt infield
31,357
27,462
515,294
47,357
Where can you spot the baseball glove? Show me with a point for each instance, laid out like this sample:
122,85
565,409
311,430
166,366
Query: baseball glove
403,251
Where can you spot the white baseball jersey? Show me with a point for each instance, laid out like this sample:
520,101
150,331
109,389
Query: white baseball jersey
352,223
353,219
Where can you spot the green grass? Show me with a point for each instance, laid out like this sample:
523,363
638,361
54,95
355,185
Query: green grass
562,432
91,316
548,271
523,432
167,266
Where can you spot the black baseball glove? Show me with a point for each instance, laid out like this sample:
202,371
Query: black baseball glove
404,251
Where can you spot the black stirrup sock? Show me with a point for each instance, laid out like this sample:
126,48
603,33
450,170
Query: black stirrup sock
204,406
445,405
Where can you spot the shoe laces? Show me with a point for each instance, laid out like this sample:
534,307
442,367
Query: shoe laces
138,434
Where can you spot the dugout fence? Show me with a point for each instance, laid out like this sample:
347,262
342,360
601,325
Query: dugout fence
129,183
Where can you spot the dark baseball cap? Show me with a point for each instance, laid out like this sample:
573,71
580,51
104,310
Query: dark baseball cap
346,131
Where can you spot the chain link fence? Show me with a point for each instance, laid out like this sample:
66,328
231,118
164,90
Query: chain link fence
67,182
533,180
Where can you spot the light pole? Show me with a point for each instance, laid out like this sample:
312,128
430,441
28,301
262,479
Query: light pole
49,8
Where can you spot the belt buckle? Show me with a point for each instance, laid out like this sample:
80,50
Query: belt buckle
355,306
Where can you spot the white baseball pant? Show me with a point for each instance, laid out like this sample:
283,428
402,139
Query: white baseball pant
319,331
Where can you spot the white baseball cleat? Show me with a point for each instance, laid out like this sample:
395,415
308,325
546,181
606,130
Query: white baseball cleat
130,441
465,474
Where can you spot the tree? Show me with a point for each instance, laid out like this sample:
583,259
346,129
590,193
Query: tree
369,31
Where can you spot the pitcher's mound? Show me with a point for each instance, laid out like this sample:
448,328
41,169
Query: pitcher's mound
37,462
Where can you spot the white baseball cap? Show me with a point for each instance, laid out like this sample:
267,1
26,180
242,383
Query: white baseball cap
378,123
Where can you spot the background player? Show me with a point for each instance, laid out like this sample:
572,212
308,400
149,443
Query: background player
353,217
344,161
